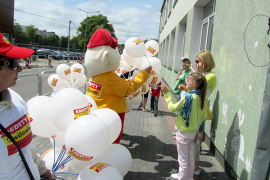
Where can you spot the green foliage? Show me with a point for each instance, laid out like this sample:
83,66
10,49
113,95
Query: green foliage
122,46
74,43
94,23
63,41
19,35
31,33
52,40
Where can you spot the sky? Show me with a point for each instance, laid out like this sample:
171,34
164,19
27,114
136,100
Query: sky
136,18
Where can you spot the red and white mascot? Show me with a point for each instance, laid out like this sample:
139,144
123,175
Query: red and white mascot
105,86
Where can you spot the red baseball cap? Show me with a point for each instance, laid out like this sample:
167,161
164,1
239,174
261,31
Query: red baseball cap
8,50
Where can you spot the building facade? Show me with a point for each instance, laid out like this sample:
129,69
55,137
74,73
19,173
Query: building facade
235,31
42,32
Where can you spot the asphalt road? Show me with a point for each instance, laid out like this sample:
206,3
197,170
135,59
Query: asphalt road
27,86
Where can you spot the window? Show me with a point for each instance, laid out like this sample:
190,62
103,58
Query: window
180,46
171,49
207,25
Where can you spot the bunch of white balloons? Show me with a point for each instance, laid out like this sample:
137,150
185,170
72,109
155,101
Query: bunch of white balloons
67,77
70,119
139,56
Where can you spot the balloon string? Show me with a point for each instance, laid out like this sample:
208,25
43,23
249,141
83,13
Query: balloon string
66,173
60,157
54,152
69,158
148,60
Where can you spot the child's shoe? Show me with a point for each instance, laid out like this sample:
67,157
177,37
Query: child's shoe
197,173
175,176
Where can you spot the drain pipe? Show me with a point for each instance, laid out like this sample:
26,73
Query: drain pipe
261,160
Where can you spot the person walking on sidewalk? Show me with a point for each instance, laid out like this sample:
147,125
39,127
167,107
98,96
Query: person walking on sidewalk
155,91
192,109
144,101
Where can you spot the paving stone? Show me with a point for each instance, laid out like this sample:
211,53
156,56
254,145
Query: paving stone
152,147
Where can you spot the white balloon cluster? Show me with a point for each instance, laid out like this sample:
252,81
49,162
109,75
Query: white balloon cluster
72,122
68,77
138,55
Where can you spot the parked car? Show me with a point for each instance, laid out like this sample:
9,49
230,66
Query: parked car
46,52
71,55
62,55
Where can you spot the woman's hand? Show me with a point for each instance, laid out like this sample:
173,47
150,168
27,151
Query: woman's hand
164,88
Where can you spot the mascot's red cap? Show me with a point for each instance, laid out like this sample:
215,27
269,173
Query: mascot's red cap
102,37
114,44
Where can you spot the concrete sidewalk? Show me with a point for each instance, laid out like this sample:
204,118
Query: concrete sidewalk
152,147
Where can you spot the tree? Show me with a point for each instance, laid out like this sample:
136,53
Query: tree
93,23
53,40
63,41
74,44
18,33
31,33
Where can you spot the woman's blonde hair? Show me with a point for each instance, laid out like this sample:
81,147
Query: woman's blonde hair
207,60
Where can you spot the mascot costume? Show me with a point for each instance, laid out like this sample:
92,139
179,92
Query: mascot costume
105,86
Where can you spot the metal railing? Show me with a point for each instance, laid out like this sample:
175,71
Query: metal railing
40,75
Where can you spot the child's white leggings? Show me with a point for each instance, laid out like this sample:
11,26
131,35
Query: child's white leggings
185,149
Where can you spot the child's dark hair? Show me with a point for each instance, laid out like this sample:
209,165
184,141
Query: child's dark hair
201,85
186,60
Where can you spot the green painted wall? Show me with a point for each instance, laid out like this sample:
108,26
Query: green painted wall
237,99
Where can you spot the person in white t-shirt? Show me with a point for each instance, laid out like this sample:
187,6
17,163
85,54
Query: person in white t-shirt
13,113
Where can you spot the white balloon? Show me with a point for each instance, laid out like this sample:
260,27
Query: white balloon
155,63
135,47
92,103
67,105
132,61
58,141
76,166
56,82
79,83
138,63
119,157
154,79
137,100
124,63
63,71
38,114
87,138
152,48
77,71
49,158
136,97
112,120
144,88
100,171
129,105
